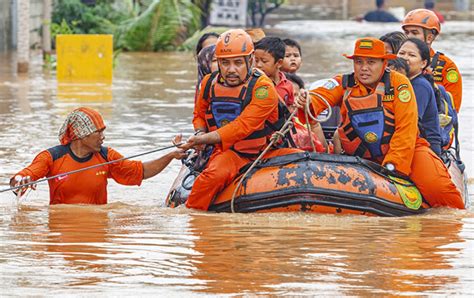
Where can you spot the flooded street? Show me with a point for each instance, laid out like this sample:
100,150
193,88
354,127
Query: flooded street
136,246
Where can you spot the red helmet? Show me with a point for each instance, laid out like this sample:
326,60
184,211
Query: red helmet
422,18
234,43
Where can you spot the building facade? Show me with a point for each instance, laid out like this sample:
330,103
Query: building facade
9,26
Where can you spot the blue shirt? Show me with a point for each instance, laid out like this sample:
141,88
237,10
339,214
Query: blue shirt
428,120
380,16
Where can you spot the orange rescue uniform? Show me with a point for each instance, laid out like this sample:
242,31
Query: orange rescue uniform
225,163
409,153
446,73
87,187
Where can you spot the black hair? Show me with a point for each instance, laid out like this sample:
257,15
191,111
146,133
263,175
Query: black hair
273,45
429,4
203,38
379,3
395,39
295,79
399,64
424,51
292,43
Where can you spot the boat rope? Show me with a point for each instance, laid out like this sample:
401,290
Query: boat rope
308,126
308,114
276,136
308,102
87,168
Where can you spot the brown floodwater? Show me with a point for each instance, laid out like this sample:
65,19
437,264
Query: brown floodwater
137,246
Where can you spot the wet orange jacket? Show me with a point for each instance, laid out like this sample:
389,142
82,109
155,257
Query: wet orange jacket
405,137
251,119
447,74
87,187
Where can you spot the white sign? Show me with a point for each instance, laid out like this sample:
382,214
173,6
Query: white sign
228,13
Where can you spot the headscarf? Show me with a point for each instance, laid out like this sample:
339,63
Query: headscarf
204,60
79,124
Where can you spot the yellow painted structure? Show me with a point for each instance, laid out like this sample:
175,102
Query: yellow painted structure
84,92
84,57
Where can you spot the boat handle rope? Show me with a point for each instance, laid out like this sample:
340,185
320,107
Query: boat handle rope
308,114
277,135
87,168
308,102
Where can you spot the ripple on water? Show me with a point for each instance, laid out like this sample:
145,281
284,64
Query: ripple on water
136,246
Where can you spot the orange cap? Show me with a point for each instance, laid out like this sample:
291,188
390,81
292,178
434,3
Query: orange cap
234,43
370,47
422,18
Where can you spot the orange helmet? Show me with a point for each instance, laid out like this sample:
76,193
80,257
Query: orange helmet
234,43
422,18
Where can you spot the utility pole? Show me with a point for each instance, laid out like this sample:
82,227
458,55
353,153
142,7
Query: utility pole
345,10
23,40
46,31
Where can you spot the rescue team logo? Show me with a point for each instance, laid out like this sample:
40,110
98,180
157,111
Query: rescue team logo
227,39
261,92
98,173
371,137
452,76
366,44
225,122
410,195
330,84
404,95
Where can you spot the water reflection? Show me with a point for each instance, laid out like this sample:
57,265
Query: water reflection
77,233
135,246
258,254
84,93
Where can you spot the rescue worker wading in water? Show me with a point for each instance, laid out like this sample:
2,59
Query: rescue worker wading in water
236,110
81,137
423,24
380,122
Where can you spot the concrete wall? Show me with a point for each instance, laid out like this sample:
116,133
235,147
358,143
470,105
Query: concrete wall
36,21
8,29
5,25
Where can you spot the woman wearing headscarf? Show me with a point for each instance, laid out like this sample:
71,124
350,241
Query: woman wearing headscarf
207,62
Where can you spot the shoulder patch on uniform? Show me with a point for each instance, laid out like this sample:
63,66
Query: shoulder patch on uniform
330,84
452,76
261,92
404,95
402,86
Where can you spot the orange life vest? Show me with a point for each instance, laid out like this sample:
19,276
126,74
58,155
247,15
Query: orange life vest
227,103
367,130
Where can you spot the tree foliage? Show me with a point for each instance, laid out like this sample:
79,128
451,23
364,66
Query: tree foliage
144,25
204,7
165,25
101,18
259,9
